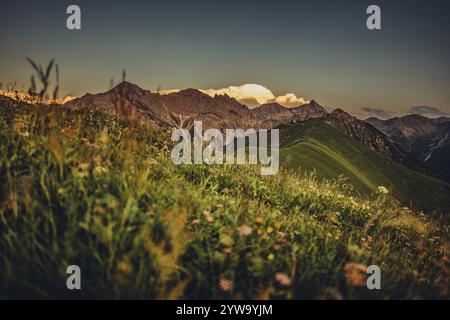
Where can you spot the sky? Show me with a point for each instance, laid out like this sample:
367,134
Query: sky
313,49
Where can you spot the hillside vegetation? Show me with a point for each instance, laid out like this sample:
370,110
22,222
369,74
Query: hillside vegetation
314,145
102,193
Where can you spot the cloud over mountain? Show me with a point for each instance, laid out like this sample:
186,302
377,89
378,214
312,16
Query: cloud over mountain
427,111
252,95
379,113
290,100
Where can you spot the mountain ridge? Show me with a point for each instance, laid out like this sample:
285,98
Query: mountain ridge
182,108
317,145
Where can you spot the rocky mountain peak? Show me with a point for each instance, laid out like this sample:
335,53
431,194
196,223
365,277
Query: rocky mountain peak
126,88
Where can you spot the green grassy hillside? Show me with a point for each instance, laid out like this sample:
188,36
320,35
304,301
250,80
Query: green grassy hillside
102,193
314,145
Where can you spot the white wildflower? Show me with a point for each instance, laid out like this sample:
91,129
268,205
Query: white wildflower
382,190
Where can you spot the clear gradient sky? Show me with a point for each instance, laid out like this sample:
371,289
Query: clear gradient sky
316,49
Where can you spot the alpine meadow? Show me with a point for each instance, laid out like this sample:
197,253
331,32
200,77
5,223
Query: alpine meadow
220,158
103,191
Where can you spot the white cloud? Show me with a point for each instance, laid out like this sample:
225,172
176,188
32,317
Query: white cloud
290,100
169,91
24,96
427,111
252,92
244,92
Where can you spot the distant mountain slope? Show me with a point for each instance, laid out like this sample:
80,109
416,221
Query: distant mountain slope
272,114
427,139
373,138
316,145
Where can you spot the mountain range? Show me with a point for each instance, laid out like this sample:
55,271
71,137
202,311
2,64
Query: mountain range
180,109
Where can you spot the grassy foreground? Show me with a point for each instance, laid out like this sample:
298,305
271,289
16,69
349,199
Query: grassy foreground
102,193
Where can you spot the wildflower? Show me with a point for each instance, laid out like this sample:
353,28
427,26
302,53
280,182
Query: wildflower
269,229
225,285
355,274
271,257
281,234
99,209
227,250
99,170
282,279
244,230
208,216
124,267
25,134
83,166
382,190
196,221
97,159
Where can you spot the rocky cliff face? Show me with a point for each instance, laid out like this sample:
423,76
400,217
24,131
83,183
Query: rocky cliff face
412,130
274,114
372,138
427,139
